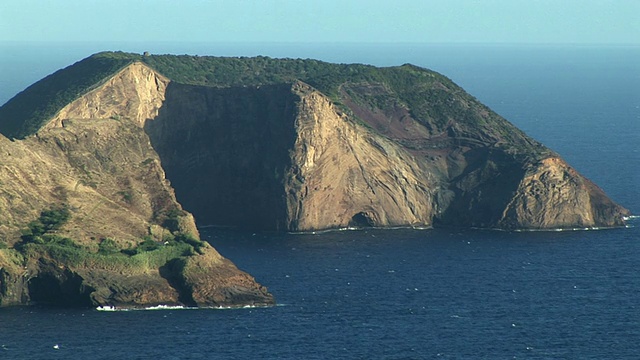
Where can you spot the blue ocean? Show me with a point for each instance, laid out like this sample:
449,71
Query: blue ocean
404,294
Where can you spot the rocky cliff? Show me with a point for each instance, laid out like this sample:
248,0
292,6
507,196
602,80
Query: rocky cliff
94,159
287,157
289,145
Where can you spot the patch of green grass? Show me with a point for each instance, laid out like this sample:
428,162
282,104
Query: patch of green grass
40,240
108,247
70,254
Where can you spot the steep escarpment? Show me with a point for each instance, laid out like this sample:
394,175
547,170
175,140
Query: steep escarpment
281,157
226,151
344,174
125,232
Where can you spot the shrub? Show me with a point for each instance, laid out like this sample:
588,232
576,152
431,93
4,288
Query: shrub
172,222
59,240
36,228
49,220
66,253
127,196
54,218
107,246
147,245
189,240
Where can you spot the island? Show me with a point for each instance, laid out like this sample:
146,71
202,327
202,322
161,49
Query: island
107,163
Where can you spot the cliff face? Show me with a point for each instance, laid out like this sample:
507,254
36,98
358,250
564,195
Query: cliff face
344,174
226,151
551,194
285,157
378,147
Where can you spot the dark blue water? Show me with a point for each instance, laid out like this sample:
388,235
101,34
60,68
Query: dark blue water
418,294
381,294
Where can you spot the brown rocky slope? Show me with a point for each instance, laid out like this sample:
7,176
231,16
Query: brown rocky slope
110,178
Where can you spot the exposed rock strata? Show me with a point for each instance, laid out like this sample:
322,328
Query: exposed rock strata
343,174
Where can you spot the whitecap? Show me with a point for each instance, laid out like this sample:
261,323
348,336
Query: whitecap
181,307
106,308
167,307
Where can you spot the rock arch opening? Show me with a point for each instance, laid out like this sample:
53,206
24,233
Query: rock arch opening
59,290
361,219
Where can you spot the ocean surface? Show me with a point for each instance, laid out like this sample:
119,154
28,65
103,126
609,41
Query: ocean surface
404,294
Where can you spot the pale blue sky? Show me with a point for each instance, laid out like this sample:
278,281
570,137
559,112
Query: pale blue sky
424,21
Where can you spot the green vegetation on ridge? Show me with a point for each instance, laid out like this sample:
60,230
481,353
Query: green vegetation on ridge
26,112
40,239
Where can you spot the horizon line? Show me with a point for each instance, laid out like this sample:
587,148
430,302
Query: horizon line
257,42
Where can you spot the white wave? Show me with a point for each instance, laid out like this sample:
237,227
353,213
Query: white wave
237,307
179,307
352,228
593,228
106,308
157,307
168,307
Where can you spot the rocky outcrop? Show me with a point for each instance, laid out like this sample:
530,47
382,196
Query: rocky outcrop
95,158
134,93
344,174
205,280
551,194
13,279
231,288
